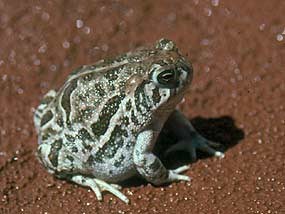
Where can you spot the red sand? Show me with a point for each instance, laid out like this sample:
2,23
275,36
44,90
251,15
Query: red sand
238,52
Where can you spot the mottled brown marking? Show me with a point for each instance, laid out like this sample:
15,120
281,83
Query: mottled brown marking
53,155
46,118
65,100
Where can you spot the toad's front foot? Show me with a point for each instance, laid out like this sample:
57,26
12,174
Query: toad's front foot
98,186
174,174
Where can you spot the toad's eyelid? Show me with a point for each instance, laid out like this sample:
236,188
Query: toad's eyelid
167,74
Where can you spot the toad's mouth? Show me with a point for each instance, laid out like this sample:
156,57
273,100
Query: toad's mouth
177,94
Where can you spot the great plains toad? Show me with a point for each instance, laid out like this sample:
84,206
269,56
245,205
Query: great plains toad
100,127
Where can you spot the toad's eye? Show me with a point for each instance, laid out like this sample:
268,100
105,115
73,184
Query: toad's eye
166,78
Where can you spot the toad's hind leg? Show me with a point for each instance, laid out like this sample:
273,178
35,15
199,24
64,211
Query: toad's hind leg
98,186
189,139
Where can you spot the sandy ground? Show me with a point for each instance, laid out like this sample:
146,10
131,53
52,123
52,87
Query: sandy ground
237,97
